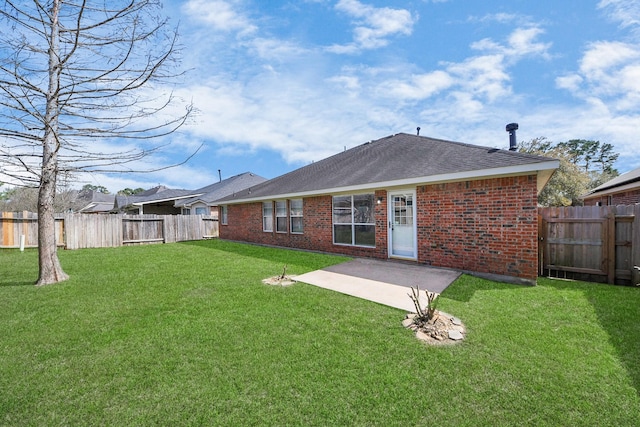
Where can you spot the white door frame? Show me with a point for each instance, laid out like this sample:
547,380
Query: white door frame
409,253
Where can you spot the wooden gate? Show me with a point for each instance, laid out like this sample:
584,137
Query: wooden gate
595,243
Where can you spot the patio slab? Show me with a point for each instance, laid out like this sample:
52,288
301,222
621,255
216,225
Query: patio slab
384,282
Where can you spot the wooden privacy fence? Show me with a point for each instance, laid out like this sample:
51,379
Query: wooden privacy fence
76,231
594,243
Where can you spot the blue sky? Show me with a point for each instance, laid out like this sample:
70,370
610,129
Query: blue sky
279,84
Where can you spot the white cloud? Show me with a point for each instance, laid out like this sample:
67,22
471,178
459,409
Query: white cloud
417,86
570,82
520,43
275,49
608,71
627,12
502,18
600,57
373,26
220,15
482,78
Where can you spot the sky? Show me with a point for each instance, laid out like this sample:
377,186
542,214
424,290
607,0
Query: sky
280,84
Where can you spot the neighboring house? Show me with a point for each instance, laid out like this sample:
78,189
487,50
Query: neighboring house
159,200
621,190
165,201
204,200
94,202
409,197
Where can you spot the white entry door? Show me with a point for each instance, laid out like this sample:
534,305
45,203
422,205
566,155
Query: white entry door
402,224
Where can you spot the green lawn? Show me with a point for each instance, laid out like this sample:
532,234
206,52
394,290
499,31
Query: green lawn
186,334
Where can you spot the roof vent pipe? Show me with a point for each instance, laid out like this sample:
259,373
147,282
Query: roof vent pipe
418,131
513,143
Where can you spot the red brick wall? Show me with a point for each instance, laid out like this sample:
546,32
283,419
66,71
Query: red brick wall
487,226
245,224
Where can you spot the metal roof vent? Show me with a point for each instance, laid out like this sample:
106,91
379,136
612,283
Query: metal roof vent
511,128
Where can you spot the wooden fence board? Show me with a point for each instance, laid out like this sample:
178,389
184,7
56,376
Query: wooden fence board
590,243
77,231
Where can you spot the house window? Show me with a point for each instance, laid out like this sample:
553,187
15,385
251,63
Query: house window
281,216
201,211
267,216
186,211
223,214
295,212
353,221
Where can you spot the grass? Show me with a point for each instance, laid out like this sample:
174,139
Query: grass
186,334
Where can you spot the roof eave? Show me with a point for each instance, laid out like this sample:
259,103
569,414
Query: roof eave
612,190
190,204
146,202
543,170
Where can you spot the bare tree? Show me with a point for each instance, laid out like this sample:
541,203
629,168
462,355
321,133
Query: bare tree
77,77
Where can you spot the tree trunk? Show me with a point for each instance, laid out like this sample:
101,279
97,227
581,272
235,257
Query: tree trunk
50,270
48,262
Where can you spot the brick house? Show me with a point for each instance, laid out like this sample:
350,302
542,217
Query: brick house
621,190
165,201
203,201
409,197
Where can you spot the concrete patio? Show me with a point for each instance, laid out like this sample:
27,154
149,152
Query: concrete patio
384,282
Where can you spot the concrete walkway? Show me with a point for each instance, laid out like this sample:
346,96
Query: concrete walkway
384,282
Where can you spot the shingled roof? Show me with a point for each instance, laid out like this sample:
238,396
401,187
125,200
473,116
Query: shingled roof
154,195
396,160
213,192
622,182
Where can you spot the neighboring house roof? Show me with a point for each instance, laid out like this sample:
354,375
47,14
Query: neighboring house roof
399,160
209,194
155,195
626,181
95,202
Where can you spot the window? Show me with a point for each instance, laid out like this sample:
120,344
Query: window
186,211
353,221
223,214
201,211
281,216
267,216
295,212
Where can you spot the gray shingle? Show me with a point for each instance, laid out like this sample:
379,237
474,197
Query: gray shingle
625,178
213,192
397,157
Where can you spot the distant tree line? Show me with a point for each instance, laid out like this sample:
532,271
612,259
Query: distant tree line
584,165
18,199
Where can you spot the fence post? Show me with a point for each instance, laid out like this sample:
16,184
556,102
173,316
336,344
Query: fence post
635,248
542,233
610,242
